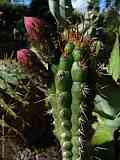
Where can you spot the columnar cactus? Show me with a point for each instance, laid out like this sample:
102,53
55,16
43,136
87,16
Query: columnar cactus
75,92
76,101
86,106
63,83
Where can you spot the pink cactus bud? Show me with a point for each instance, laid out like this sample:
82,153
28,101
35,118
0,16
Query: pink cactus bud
35,28
23,56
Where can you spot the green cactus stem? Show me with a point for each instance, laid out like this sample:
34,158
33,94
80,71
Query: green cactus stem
64,101
75,107
62,110
76,100
83,92
87,106
74,95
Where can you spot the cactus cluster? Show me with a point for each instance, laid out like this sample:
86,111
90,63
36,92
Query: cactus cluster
72,95
74,92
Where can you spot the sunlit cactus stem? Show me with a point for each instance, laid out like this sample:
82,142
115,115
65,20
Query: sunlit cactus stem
83,93
63,84
76,100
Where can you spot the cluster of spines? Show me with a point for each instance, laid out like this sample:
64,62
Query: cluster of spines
87,106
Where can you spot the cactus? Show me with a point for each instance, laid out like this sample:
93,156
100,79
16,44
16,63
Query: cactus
35,28
75,105
87,106
74,92
79,74
64,100
62,93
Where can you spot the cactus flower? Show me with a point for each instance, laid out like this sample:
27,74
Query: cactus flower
35,28
23,56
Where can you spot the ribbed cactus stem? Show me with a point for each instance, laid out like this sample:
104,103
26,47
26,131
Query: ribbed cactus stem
63,104
83,93
66,144
63,82
76,101
75,107
74,92
87,106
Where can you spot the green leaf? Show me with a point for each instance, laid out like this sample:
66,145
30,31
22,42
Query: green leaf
102,135
103,108
114,63
104,129
107,114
